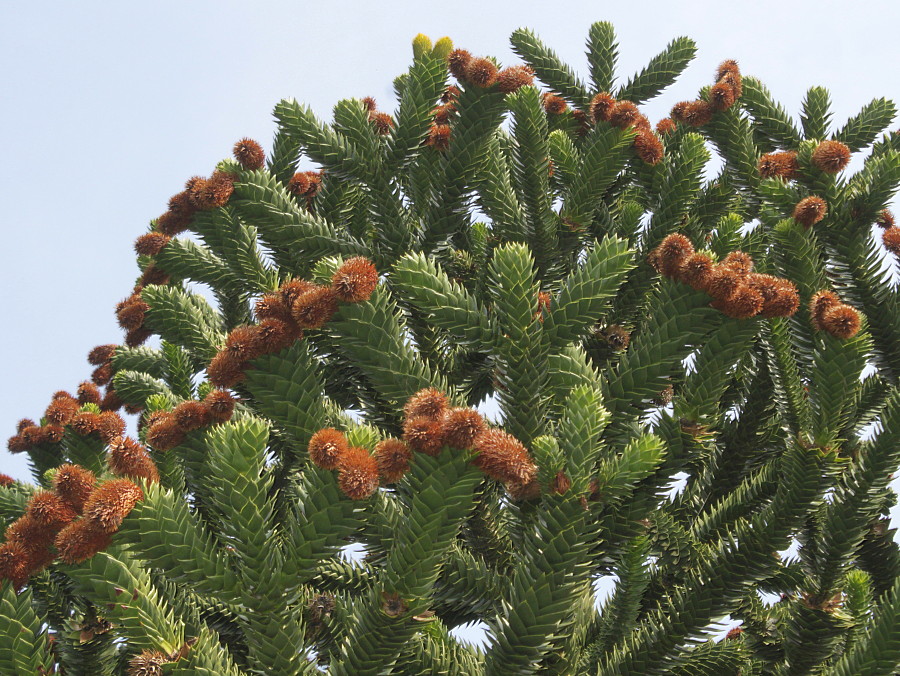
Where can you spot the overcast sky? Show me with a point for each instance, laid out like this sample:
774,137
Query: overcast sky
110,106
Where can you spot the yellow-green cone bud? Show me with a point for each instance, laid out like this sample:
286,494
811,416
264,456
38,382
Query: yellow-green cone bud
421,45
442,48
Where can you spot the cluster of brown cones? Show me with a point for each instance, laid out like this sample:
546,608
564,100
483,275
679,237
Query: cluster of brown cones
483,73
298,305
721,96
381,122
626,115
167,429
71,522
890,235
65,411
736,290
430,424
829,157
439,134
828,313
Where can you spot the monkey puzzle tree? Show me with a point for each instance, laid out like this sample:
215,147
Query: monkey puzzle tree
632,320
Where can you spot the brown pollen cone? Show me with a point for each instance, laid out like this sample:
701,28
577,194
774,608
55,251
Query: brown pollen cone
785,303
14,564
164,434
110,425
723,282
217,191
298,184
249,154
721,96
130,312
780,297
50,510
461,427
648,147
554,104
28,422
357,473
739,261
382,122
194,187
665,126
137,336
274,335
101,354
679,112
458,63
190,415
226,369
393,457
6,480
327,447
624,114
111,502
74,484
671,253
30,533
429,403
355,280
442,114
831,156
513,78
172,224
503,457
85,423
80,540
744,303
481,72
220,405
153,275
726,67
450,94
891,240
130,459
243,342
61,411
52,434
151,243
698,113
735,81
292,289
696,271
16,444
315,307
810,210
781,165
424,435
102,374
885,219
111,400
821,302
438,137
601,106
271,306
369,104
88,393
841,321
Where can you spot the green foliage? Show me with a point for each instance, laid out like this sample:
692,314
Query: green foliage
513,274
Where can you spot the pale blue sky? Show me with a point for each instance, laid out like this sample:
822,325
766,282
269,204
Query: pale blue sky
109,107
